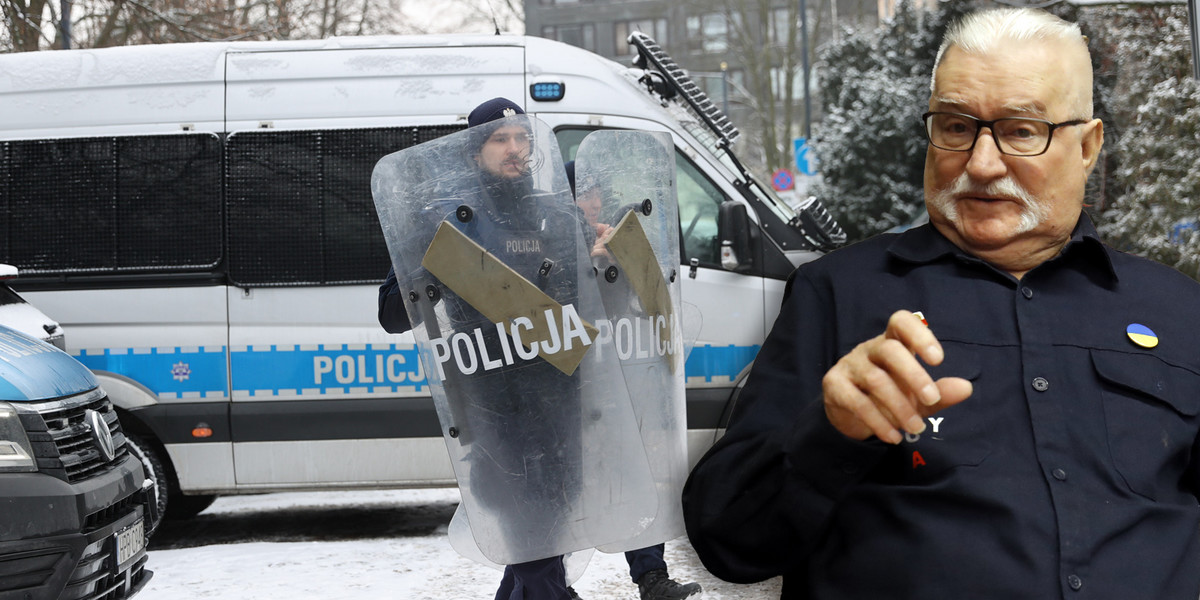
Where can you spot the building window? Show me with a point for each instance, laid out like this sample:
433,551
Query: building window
780,25
722,88
655,28
779,83
581,36
708,33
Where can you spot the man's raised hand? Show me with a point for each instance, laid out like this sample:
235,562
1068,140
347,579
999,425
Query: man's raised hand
881,389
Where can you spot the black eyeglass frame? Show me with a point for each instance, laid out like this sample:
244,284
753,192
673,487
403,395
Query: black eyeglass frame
980,124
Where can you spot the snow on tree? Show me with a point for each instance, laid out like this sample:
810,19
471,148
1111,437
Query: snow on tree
1152,202
1158,213
871,145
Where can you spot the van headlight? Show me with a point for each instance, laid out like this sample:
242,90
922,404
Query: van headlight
16,454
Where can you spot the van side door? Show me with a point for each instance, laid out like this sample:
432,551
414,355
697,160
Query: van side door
321,395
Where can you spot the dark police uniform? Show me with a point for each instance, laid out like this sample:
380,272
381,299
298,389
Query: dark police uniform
507,416
1071,472
509,410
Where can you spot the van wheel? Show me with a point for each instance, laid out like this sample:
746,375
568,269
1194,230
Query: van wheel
186,507
153,466
172,504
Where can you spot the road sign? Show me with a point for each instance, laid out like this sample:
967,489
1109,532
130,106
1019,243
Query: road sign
806,162
782,181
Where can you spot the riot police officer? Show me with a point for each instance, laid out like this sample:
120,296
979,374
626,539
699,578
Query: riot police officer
512,210
647,566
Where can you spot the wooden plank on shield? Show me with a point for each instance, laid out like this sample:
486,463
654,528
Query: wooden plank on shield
501,294
631,248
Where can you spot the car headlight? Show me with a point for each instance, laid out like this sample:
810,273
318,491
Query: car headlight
16,454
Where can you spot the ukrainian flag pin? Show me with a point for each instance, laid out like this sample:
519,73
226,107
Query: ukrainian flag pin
1141,335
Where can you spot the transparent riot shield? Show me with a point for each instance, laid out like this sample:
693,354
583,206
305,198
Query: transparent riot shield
625,185
492,256
459,532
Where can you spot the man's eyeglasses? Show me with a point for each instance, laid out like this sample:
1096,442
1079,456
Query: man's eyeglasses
1014,136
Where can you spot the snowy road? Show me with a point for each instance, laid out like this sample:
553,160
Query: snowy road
362,545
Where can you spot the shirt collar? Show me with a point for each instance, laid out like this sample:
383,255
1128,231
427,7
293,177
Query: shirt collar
925,244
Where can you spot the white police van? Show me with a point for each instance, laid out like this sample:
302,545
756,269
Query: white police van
200,217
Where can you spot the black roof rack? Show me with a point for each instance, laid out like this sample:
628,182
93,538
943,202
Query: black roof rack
703,108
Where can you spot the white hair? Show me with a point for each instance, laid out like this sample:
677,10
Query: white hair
983,32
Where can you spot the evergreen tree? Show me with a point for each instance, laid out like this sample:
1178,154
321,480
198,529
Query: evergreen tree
871,145
1158,215
1152,201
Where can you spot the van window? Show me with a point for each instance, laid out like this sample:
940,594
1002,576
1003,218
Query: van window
569,140
300,206
699,199
7,296
113,204
297,203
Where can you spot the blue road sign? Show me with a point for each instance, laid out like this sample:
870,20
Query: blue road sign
806,162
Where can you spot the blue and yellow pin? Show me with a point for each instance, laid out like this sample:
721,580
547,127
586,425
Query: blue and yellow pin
1141,335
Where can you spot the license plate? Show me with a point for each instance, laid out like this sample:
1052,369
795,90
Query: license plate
130,541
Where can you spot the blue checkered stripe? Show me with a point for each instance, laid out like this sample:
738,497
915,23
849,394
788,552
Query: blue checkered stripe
171,373
327,369
322,370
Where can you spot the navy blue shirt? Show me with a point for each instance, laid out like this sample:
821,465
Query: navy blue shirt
1071,472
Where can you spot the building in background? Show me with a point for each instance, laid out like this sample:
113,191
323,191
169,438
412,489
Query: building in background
746,54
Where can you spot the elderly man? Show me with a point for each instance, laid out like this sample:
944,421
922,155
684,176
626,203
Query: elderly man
1026,424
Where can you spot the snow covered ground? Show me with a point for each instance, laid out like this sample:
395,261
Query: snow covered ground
362,545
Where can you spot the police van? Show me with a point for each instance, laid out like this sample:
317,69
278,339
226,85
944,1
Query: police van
199,216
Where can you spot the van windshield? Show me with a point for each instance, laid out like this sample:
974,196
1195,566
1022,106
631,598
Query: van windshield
763,192
7,296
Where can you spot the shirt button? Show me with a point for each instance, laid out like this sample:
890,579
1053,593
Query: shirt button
1075,582
1040,384
1060,474
1028,293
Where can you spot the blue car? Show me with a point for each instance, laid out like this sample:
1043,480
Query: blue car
74,502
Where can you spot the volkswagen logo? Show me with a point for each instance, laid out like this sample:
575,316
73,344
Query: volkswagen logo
100,434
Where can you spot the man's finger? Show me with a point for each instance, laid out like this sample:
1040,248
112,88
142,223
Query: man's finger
883,380
852,412
907,328
904,371
954,390
858,408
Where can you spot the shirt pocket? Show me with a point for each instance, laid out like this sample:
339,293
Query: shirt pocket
1150,410
954,438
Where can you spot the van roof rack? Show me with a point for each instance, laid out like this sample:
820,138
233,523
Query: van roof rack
700,105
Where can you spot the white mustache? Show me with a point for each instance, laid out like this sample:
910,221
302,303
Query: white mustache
1033,213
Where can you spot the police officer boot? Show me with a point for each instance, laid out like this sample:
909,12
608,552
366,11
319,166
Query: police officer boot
656,585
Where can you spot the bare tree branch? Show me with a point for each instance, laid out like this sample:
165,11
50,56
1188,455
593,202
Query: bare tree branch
23,20
99,23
